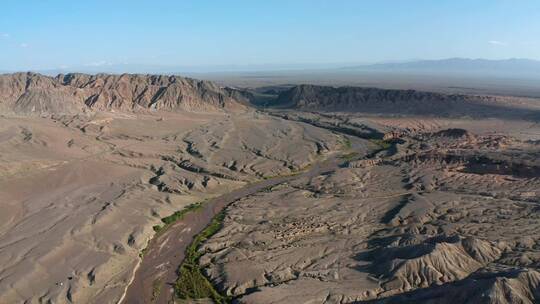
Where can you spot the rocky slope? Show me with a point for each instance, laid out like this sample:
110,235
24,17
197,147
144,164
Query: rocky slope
443,215
404,102
73,93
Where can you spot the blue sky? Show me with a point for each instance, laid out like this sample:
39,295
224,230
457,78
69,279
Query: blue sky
53,34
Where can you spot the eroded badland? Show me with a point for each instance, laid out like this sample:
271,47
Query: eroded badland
327,195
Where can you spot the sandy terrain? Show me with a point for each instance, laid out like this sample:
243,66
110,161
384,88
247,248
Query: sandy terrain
445,213
331,195
165,252
80,194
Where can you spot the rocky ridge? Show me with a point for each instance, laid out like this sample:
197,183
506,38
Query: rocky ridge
29,93
402,102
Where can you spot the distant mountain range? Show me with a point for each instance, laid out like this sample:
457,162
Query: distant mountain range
514,67
36,94
506,67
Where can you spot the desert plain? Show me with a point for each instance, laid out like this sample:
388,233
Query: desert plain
322,194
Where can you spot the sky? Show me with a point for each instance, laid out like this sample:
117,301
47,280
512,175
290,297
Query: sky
37,34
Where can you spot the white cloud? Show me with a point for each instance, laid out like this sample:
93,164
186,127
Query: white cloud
24,45
4,35
497,42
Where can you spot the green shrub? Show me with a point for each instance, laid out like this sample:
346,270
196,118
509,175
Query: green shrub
179,214
383,144
191,283
346,143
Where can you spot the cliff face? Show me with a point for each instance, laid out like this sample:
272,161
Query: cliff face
72,93
384,101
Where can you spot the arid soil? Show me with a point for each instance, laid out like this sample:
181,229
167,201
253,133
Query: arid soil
80,194
442,216
430,198
158,271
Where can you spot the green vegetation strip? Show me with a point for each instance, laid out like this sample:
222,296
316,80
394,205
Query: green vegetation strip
192,284
346,143
156,290
178,215
350,156
383,144
168,220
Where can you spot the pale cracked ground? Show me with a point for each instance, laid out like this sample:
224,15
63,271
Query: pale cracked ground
448,216
79,195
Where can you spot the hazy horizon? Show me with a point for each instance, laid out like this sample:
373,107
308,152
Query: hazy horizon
252,68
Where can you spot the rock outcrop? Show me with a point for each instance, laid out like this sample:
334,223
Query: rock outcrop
72,93
402,102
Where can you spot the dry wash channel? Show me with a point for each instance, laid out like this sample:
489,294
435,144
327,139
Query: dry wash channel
167,250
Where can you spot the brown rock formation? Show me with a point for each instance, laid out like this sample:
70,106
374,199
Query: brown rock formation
402,102
73,93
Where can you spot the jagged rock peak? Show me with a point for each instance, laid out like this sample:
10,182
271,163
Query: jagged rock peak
67,93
